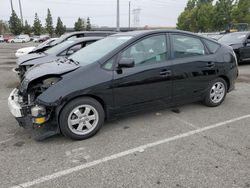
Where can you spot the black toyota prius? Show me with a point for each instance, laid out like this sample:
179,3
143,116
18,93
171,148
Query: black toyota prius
121,74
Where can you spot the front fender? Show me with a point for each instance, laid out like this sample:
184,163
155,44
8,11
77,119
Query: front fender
90,80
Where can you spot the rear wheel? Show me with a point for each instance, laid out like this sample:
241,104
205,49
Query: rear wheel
82,118
216,93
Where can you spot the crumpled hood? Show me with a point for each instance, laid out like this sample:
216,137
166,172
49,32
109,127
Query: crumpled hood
29,57
58,67
41,60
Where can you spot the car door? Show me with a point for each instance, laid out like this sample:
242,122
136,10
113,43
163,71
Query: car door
245,51
149,81
193,67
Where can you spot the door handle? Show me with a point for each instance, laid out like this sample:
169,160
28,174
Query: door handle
165,72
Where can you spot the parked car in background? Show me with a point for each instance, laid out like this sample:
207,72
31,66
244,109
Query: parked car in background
20,39
32,49
34,38
43,46
121,74
41,38
74,35
240,42
24,51
7,38
64,49
215,36
1,38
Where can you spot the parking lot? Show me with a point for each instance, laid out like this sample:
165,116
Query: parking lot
191,146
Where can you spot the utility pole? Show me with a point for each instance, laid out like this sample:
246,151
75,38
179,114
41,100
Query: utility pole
11,6
21,12
118,16
129,10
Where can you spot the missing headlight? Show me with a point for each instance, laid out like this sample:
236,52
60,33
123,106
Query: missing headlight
50,81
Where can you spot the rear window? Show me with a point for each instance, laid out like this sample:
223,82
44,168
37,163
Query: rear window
212,46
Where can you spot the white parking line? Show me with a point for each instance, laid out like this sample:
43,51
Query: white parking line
7,140
124,153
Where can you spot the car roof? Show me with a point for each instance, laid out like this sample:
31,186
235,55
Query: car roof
85,39
144,32
78,40
141,33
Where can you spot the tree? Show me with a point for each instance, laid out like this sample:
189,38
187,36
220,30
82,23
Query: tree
203,17
190,5
15,24
4,28
60,28
26,28
223,14
79,25
241,12
88,27
49,23
37,26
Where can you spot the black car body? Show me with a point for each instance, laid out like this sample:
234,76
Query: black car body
61,50
120,74
240,42
72,36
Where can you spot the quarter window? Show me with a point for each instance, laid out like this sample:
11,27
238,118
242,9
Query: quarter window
147,51
212,46
185,46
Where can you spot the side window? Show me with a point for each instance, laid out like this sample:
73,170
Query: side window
109,64
186,46
88,43
71,50
212,46
150,50
72,37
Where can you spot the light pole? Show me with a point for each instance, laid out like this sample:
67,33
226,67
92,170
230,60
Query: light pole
11,6
129,10
118,16
21,12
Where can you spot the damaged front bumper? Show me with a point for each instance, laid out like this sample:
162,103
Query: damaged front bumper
29,116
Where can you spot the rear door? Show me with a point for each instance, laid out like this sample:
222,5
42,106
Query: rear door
149,81
245,51
193,67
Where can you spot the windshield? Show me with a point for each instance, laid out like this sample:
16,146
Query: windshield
99,49
58,48
233,38
59,40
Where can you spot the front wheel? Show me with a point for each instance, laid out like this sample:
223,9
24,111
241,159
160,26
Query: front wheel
82,118
216,93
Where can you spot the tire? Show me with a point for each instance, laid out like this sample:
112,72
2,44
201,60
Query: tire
81,118
216,93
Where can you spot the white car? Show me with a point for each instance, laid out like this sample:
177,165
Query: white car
20,39
24,51
1,38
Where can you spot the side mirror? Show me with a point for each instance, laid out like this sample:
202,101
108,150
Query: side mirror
126,63
248,41
70,52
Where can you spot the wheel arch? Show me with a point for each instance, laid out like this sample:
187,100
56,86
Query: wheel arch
100,100
227,81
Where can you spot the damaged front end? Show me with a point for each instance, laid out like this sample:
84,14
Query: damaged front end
23,101
28,112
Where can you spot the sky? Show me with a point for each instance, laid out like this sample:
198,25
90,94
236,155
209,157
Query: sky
154,13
